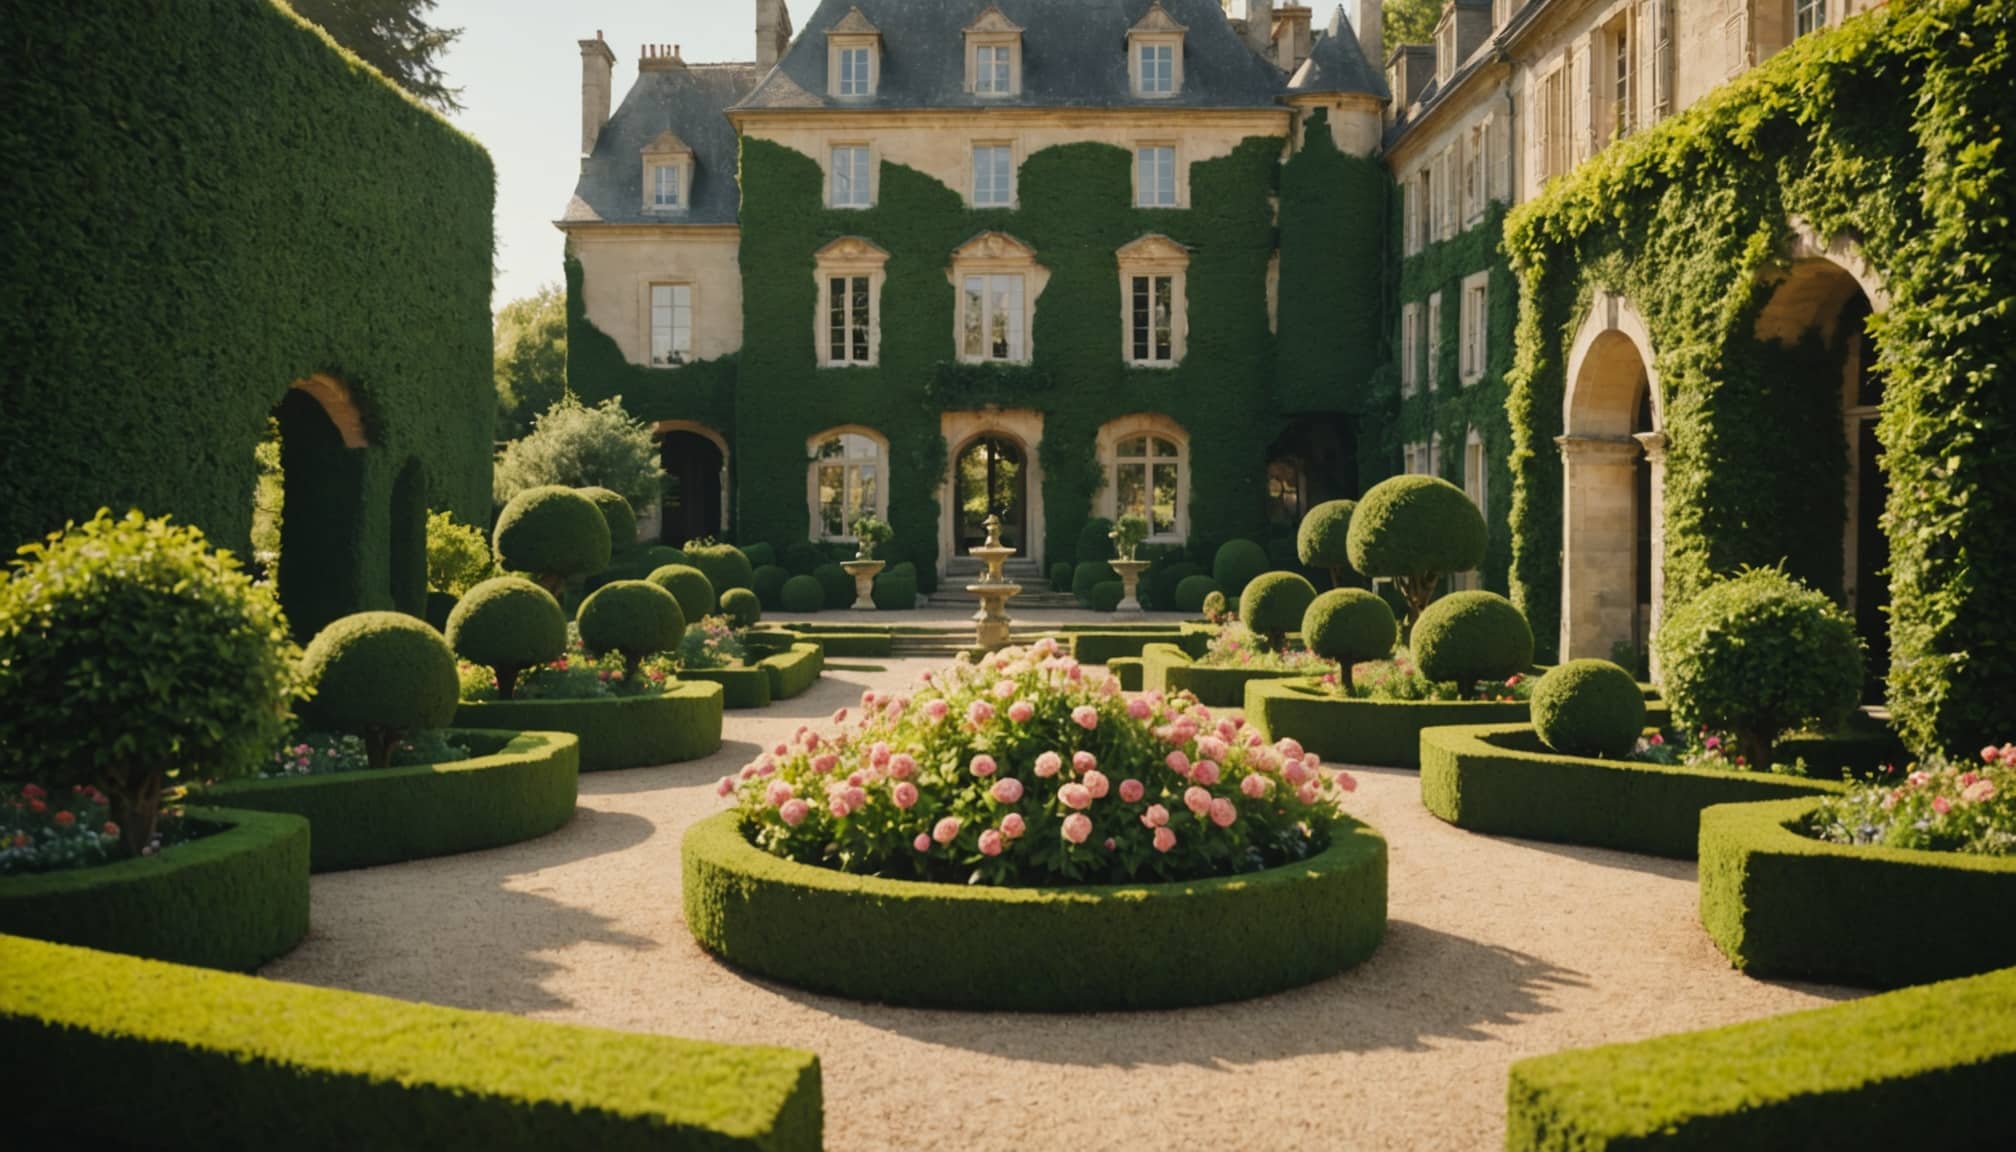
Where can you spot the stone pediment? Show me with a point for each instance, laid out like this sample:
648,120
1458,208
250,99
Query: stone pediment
851,250
991,22
668,143
994,246
1153,247
1156,21
853,24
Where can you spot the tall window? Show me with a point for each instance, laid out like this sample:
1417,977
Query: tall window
1158,69
848,314
665,182
1152,336
847,483
1155,176
671,325
854,72
1620,77
1410,202
1473,326
1434,340
993,317
1410,349
1556,131
1477,172
1147,475
993,175
852,187
1447,177
1425,216
993,70
1808,16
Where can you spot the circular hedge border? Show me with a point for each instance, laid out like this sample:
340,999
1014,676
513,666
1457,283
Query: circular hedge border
234,899
1375,733
1034,949
1167,668
682,724
521,786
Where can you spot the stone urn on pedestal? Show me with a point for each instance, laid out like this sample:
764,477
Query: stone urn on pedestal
991,623
864,572
1127,536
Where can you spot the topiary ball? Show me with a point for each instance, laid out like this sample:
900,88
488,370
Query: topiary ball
759,555
552,533
634,617
381,675
1159,584
742,607
1323,538
895,589
1350,626
1589,708
802,594
508,624
617,514
1237,563
689,586
1095,541
1106,596
1466,637
837,584
1415,527
725,567
768,584
1060,576
1191,592
1215,607
1273,603
1088,575
800,557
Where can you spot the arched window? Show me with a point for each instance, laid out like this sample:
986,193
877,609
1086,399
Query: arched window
1147,478
846,482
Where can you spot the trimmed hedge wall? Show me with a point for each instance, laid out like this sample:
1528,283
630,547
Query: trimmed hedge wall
1105,647
522,787
1034,949
1782,904
1922,1068
284,1065
1500,780
793,673
617,731
1381,733
841,645
740,687
233,899
1167,668
1129,670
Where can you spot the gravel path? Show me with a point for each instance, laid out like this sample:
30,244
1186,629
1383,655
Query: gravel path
1496,949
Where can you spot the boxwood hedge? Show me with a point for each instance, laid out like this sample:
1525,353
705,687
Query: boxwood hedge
1383,733
1167,668
740,687
1105,647
284,1065
794,672
616,731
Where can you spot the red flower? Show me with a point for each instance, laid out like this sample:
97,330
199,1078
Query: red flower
37,806
33,791
111,829
65,819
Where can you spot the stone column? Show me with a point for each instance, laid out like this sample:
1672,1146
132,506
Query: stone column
1599,591
1654,444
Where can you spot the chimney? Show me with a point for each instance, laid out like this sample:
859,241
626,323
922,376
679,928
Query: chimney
1291,36
597,64
1260,27
773,33
1368,21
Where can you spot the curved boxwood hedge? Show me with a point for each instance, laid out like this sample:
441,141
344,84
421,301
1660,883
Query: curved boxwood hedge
1167,668
1382,733
1502,781
233,899
1781,904
793,673
1106,647
616,731
1129,670
1922,1068
740,687
1034,949
285,1065
519,785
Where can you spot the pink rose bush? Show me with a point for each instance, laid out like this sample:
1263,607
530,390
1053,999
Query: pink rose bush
1939,807
1072,783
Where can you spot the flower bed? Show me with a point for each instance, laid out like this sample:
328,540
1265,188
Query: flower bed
1386,733
1167,668
683,723
284,1065
794,671
1501,781
1780,903
234,898
518,786
1922,1068
740,687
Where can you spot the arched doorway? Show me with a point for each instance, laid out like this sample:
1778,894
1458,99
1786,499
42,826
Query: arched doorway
320,505
694,501
989,477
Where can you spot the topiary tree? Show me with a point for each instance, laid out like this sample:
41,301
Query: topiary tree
1466,637
1191,592
689,586
1322,539
129,650
1236,565
1095,542
724,565
508,625
381,676
635,618
1758,656
574,446
836,583
1272,606
1414,530
802,594
768,584
1087,575
1350,626
1589,708
617,514
742,607
458,557
1106,596
552,534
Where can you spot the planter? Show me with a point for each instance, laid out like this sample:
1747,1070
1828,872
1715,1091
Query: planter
616,731
1167,668
740,687
1130,578
1382,733
793,672
233,899
1782,904
1034,949
863,572
1502,781
521,788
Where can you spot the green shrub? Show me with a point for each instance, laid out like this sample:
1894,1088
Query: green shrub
1415,530
689,586
794,671
1322,539
682,723
724,565
1758,656
800,557
1237,563
129,650
742,607
1160,581
617,514
440,606
768,584
458,557
634,563
802,594
895,589
1589,708
1060,577
1089,574
572,445
554,534
1106,596
508,625
740,687
1360,730
837,585
382,676
759,555
1349,626
634,617
1215,608
1095,542
1273,604
1191,592
1470,636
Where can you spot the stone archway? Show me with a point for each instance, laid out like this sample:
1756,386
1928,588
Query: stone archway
694,501
324,469
1021,428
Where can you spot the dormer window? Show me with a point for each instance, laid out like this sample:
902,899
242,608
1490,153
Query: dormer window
1445,47
1155,55
853,57
993,55
668,174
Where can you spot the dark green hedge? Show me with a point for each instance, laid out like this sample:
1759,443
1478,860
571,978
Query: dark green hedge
1129,670
1167,668
1034,949
1501,781
1382,733
233,899
616,731
740,687
793,673
277,1065
1781,904
224,203
1105,647
1922,1068
840,645
518,786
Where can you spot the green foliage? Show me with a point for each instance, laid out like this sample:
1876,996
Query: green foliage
1089,575
574,445
682,723
269,500
1060,576
870,533
394,37
1589,708
742,607
1215,609
1415,530
1466,637
800,557
1129,532
618,515
1237,563
1356,730
689,586
458,557
740,687
793,672
507,625
634,563
1106,647
1095,541
553,533
759,555
724,566
1273,605
131,652
1757,656
768,584
382,676
895,590
529,358
1320,538
1106,596
637,618
1168,668
802,594
838,585
1410,21
1349,626
1334,290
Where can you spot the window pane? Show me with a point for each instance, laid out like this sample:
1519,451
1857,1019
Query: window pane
1134,446
1140,328
1163,447
1165,294
1164,519
859,306
1130,489
836,294
976,294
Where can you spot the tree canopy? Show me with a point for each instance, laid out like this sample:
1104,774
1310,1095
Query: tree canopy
394,37
1410,22
530,350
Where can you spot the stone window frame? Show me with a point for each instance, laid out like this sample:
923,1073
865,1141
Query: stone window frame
1432,377
847,258
667,151
814,463
853,33
1179,175
996,254
991,29
1410,349
1155,255
1158,426
874,173
973,174
1156,28
1473,327
648,312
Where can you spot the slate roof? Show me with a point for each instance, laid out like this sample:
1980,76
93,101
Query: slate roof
1336,63
690,102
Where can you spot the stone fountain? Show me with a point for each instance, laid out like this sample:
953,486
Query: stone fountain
994,589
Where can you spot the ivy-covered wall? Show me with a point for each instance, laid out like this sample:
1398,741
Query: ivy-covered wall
1892,131
207,201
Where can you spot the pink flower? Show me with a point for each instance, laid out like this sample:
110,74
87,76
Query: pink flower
840,716
922,843
1941,805
1155,817
1083,762
777,793
878,754
1077,827
1712,743
726,787
794,812
904,795
1049,764
935,710
1307,793
946,830
1085,716
837,804
1132,790
1075,796
983,765
1978,791
1253,786
1004,689
1223,813
1204,772
979,712
855,779
781,750
1021,711
825,762
1006,791
766,767
902,765
1289,747
1165,839
990,843
1097,782
1178,762
1197,800
1989,754
1012,825
1210,748
1346,781
1139,709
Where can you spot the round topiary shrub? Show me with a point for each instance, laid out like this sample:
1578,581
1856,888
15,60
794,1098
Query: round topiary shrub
1350,626
1106,596
1415,530
1191,592
1589,708
1060,577
1322,540
759,555
724,565
895,589
802,594
382,676
689,586
636,618
1216,609
800,557
1466,637
742,607
1088,575
508,625
552,534
768,584
1272,606
617,514
838,585
1095,541
1159,584
1758,656
1236,564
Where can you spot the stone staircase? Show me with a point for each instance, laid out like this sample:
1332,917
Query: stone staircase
963,570
945,643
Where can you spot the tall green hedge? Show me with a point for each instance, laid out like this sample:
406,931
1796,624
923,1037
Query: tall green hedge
209,201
